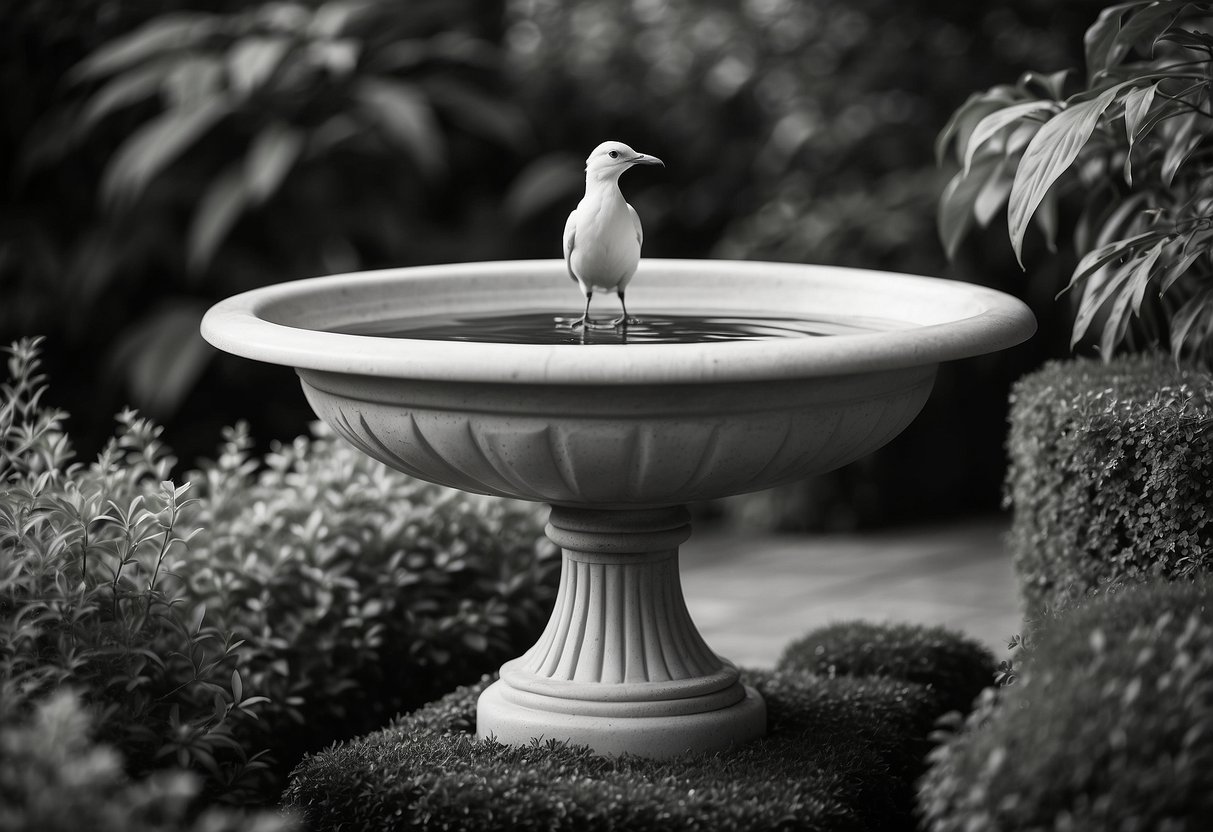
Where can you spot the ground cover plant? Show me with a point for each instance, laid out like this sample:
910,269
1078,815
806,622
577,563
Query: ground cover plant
1106,727
1110,477
259,609
842,752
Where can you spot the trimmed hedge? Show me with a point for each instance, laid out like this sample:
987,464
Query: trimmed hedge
953,667
1108,727
841,754
1111,476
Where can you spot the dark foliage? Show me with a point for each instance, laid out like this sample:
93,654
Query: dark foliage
1107,728
841,754
1111,476
953,667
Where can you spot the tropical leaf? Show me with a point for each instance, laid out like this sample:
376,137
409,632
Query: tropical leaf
1183,138
957,202
1048,155
154,146
992,197
405,115
217,212
1142,29
1194,321
1137,103
251,61
999,120
272,155
1100,41
966,117
1106,252
162,357
164,35
124,90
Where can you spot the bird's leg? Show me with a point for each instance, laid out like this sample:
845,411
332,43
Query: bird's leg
585,316
623,320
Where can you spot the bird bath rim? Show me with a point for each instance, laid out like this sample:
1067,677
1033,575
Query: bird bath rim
943,320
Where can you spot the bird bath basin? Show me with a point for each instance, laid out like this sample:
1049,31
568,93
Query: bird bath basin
617,438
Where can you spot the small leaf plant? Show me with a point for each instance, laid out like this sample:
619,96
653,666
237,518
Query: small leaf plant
1130,145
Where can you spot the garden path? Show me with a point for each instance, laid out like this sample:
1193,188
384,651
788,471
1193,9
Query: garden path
752,593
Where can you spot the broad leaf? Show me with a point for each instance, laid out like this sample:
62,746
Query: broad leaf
976,107
273,153
405,115
154,146
1048,156
1105,253
123,91
1143,28
1180,142
1193,322
989,126
1143,271
1102,285
1053,84
220,207
992,197
1099,42
957,202
251,61
1047,219
1137,103
164,35
163,356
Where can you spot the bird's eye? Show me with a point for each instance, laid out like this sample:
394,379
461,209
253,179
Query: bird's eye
614,154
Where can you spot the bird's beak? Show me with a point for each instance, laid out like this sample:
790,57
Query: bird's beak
645,159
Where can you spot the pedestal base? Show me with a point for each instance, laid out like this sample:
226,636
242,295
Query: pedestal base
657,737
621,667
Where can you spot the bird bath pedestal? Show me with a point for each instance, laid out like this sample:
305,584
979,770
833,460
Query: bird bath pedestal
617,439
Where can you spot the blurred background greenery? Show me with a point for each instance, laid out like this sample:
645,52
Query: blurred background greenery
158,156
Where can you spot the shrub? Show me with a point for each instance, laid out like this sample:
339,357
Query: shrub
88,599
342,590
840,754
953,667
1110,478
360,592
54,776
1108,728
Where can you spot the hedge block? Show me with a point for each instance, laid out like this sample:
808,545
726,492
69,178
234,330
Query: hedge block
954,667
1110,478
1108,726
841,754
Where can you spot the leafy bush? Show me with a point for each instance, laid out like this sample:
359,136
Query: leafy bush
88,598
1110,478
840,754
360,592
1108,728
54,778
1130,142
953,667
342,590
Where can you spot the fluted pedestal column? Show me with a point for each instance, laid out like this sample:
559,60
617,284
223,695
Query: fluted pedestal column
620,666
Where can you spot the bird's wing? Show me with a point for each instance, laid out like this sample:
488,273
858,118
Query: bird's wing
637,225
570,237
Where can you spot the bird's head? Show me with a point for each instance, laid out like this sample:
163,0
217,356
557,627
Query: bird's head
610,159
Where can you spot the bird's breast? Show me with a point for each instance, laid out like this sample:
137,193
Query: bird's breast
607,250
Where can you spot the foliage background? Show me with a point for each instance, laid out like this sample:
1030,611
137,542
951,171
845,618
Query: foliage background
794,131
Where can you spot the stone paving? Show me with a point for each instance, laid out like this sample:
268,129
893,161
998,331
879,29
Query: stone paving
751,593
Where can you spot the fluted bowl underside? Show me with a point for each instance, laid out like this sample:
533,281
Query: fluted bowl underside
613,425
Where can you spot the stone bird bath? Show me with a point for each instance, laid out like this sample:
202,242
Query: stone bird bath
617,439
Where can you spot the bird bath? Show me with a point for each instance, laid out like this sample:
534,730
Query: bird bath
617,438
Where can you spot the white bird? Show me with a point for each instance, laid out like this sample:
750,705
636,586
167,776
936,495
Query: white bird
602,236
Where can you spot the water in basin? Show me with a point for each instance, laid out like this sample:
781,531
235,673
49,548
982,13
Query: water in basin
550,327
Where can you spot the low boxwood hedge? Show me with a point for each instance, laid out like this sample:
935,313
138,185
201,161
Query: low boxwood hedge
840,754
952,666
1111,476
1110,725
